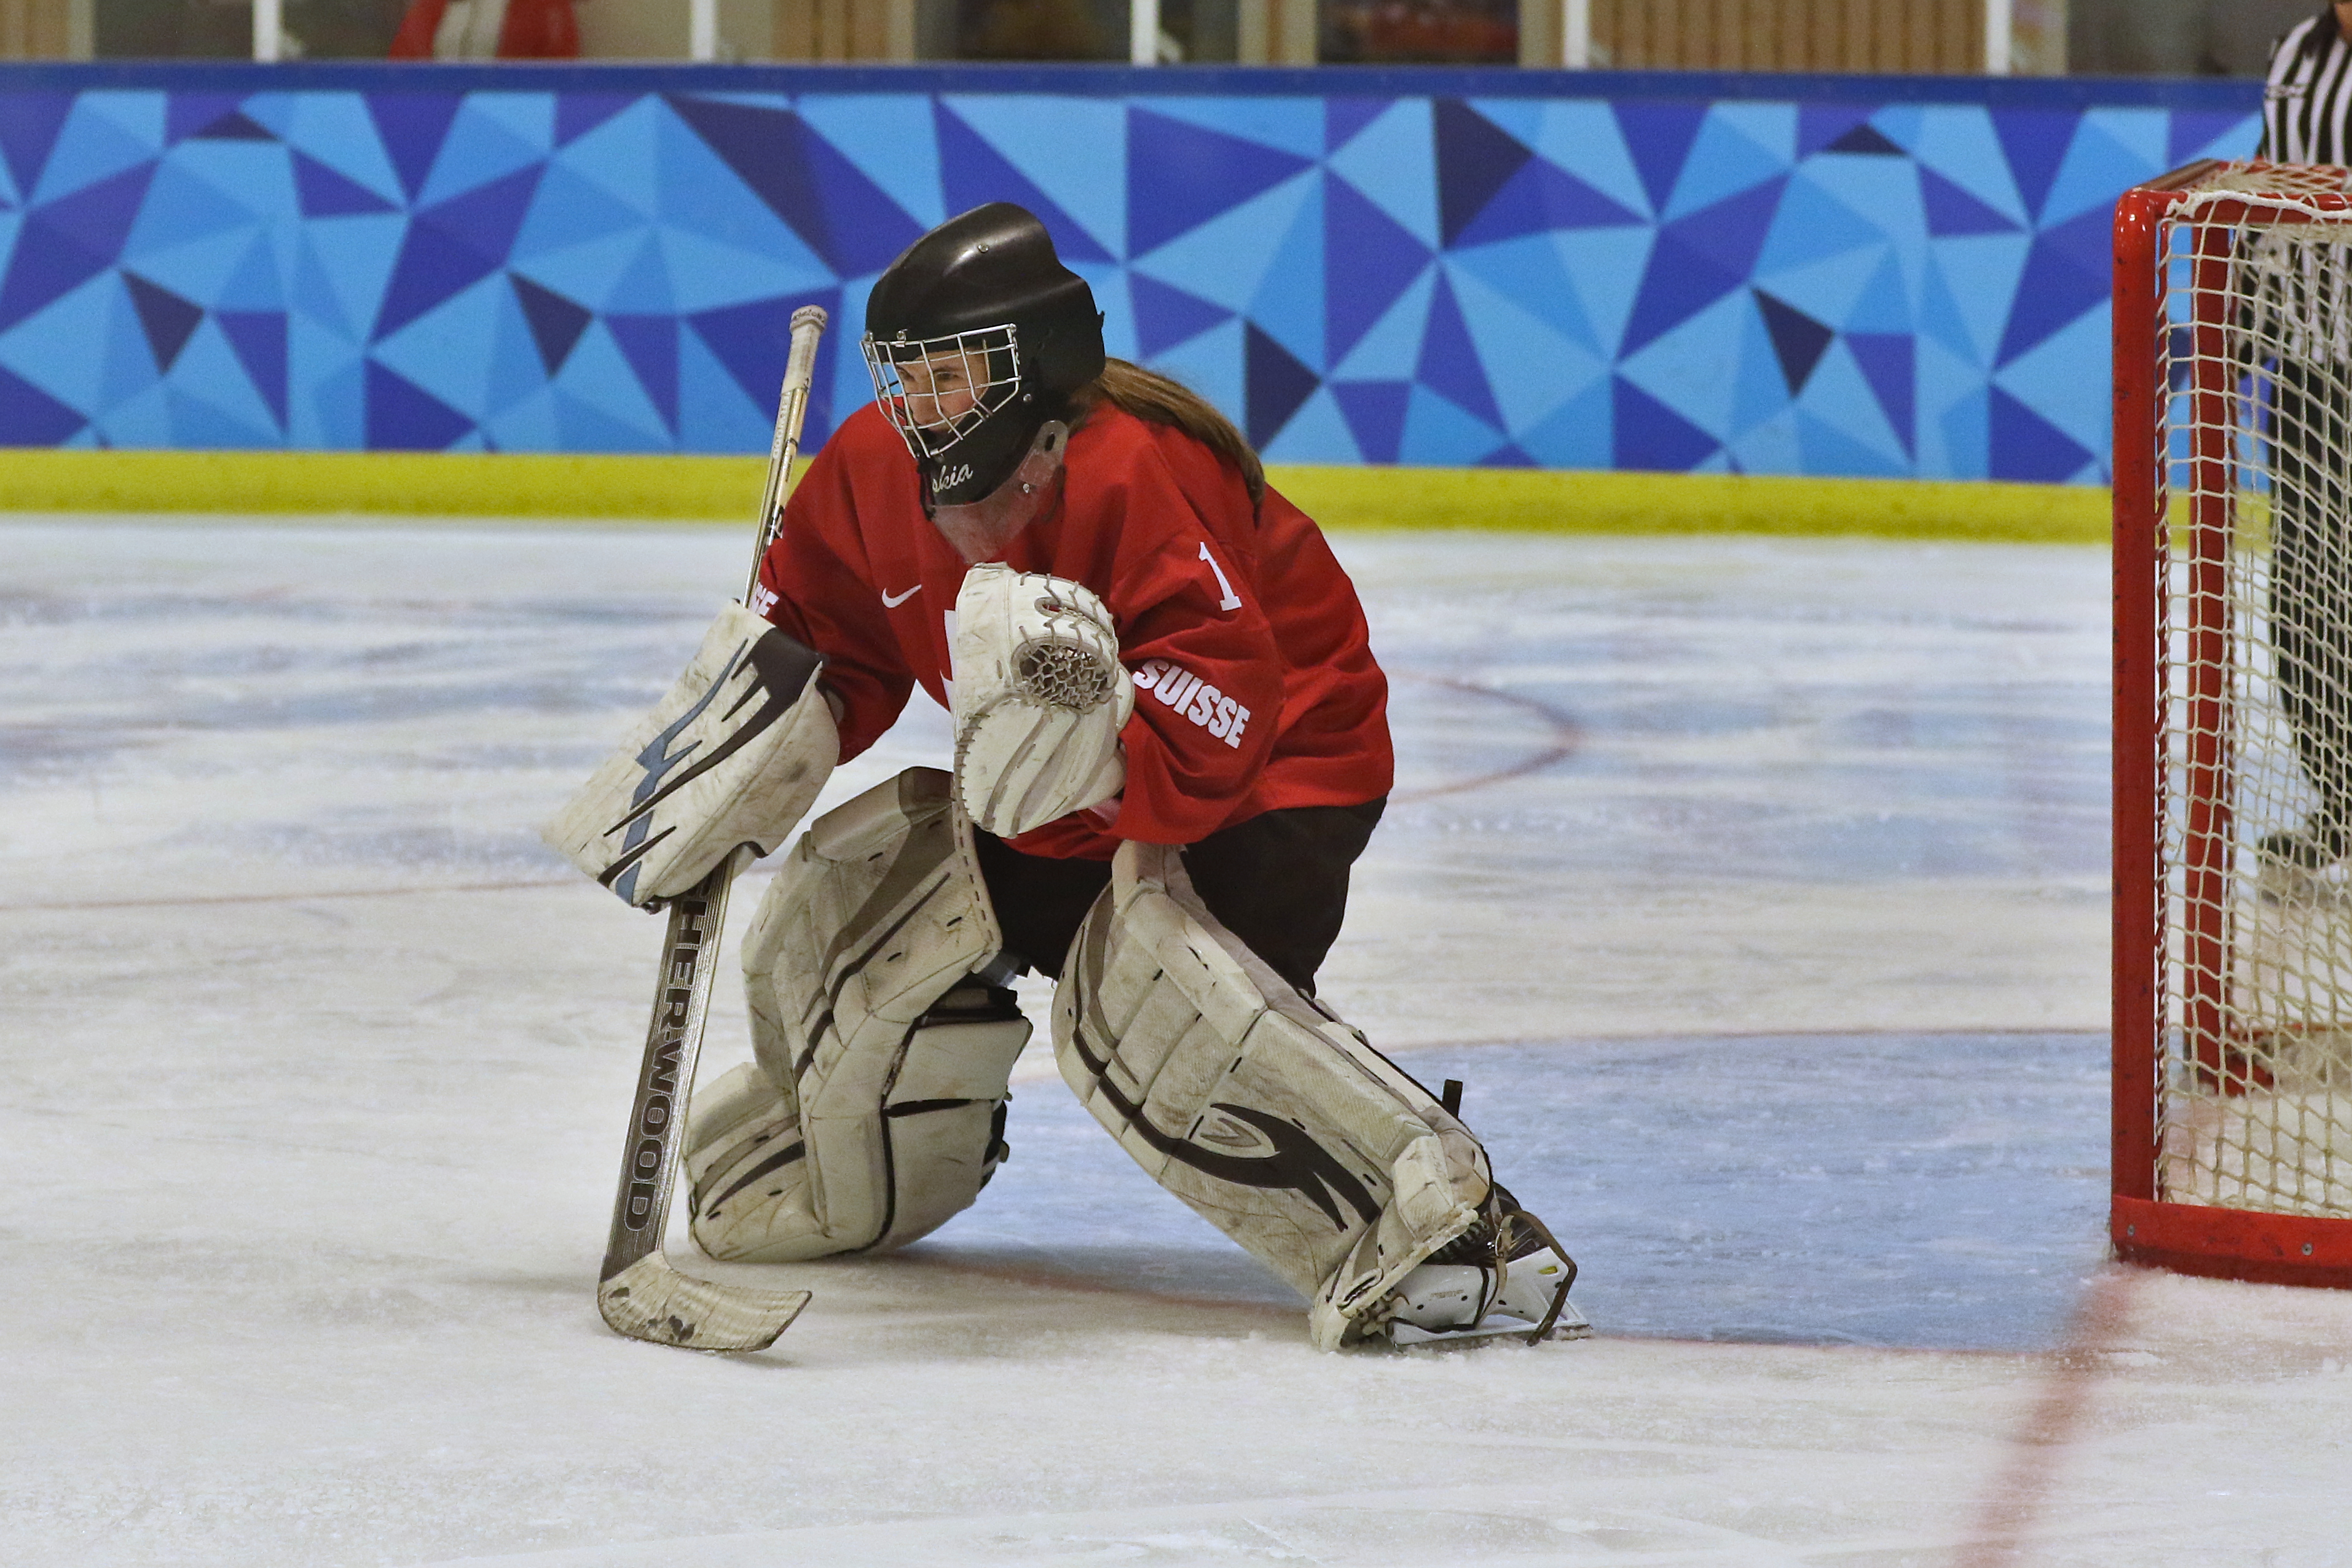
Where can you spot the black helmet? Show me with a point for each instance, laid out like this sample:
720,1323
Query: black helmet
975,337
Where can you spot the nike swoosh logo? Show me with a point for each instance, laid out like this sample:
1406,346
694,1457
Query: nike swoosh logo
891,603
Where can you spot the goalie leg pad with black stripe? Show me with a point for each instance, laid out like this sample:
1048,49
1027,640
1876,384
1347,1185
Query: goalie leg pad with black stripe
875,1111
1256,1105
734,754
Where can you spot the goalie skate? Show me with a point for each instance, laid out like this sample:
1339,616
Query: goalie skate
1506,1276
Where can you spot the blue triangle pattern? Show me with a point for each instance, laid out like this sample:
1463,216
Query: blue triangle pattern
1181,174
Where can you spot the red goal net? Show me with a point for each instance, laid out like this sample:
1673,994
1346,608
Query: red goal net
2234,723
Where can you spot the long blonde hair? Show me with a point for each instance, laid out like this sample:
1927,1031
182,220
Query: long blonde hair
1148,395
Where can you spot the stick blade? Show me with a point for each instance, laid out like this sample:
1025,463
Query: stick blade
653,1302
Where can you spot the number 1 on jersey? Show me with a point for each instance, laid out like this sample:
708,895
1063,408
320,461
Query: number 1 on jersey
1232,601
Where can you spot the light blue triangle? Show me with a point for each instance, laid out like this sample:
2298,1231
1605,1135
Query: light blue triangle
1885,306
335,128
707,274
1287,306
1840,398
1583,137
51,348
1760,388
583,424
1390,352
1580,433
1317,433
567,210
1769,446
1958,144
598,377
198,270
485,142
104,134
1439,434
1606,266
326,397
516,371
1980,274
129,364
143,420
1528,272
273,111
1829,450
530,424
1882,193
587,273
311,293
448,351
1393,164
643,287
621,157
1531,367
697,192
2049,379
1225,261
214,402
1295,125
1210,363
2100,163
182,207
1946,382
889,138
713,414
1113,299
354,257
256,284
1739,146
1071,148
1813,223
1694,369
257,176
1827,290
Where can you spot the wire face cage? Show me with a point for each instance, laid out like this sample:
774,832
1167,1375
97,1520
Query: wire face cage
2234,724
937,391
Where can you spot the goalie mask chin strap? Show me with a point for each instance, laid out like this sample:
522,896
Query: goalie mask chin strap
981,529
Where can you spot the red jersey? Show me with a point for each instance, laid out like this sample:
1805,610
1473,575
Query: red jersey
1255,683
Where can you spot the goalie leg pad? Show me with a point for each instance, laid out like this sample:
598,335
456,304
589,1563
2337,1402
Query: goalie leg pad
874,1112
1254,1104
734,755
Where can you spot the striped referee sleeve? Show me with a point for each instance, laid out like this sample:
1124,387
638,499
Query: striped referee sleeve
2307,103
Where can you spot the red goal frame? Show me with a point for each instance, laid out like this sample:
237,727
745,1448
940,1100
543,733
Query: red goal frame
2146,1226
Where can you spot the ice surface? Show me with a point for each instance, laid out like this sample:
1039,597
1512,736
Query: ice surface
1756,891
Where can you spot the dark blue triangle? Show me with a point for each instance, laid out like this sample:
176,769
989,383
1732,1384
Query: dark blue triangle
404,417
1541,198
29,124
1798,340
186,114
1165,317
166,319
1375,413
1275,385
1952,210
1649,434
2193,130
578,113
1378,256
2068,270
650,345
1475,159
1659,136
63,244
868,228
412,126
321,192
1868,140
2028,447
751,341
973,173
1343,117
555,323
1180,175
766,149
1819,125
31,417
2034,141
233,127
1699,258
1510,454
257,338
1449,359
453,245
1889,363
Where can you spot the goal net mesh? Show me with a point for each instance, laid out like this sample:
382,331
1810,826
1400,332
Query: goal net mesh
2256,1096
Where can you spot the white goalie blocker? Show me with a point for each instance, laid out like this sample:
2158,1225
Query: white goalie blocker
875,1111
733,755
1257,1106
1040,698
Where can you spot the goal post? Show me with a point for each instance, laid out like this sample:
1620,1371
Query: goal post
2232,958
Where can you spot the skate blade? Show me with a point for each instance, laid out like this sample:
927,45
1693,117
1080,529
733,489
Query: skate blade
1406,1336
653,1302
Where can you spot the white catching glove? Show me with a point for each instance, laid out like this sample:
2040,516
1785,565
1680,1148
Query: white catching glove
1040,698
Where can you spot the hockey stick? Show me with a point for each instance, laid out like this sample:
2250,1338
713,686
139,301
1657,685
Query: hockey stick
638,1292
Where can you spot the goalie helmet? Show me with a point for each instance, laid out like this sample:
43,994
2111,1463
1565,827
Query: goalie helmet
975,338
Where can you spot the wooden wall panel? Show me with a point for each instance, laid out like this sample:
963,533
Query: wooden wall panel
1897,37
34,29
841,30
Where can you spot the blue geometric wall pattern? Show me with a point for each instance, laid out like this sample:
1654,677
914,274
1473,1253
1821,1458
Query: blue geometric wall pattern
1732,274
